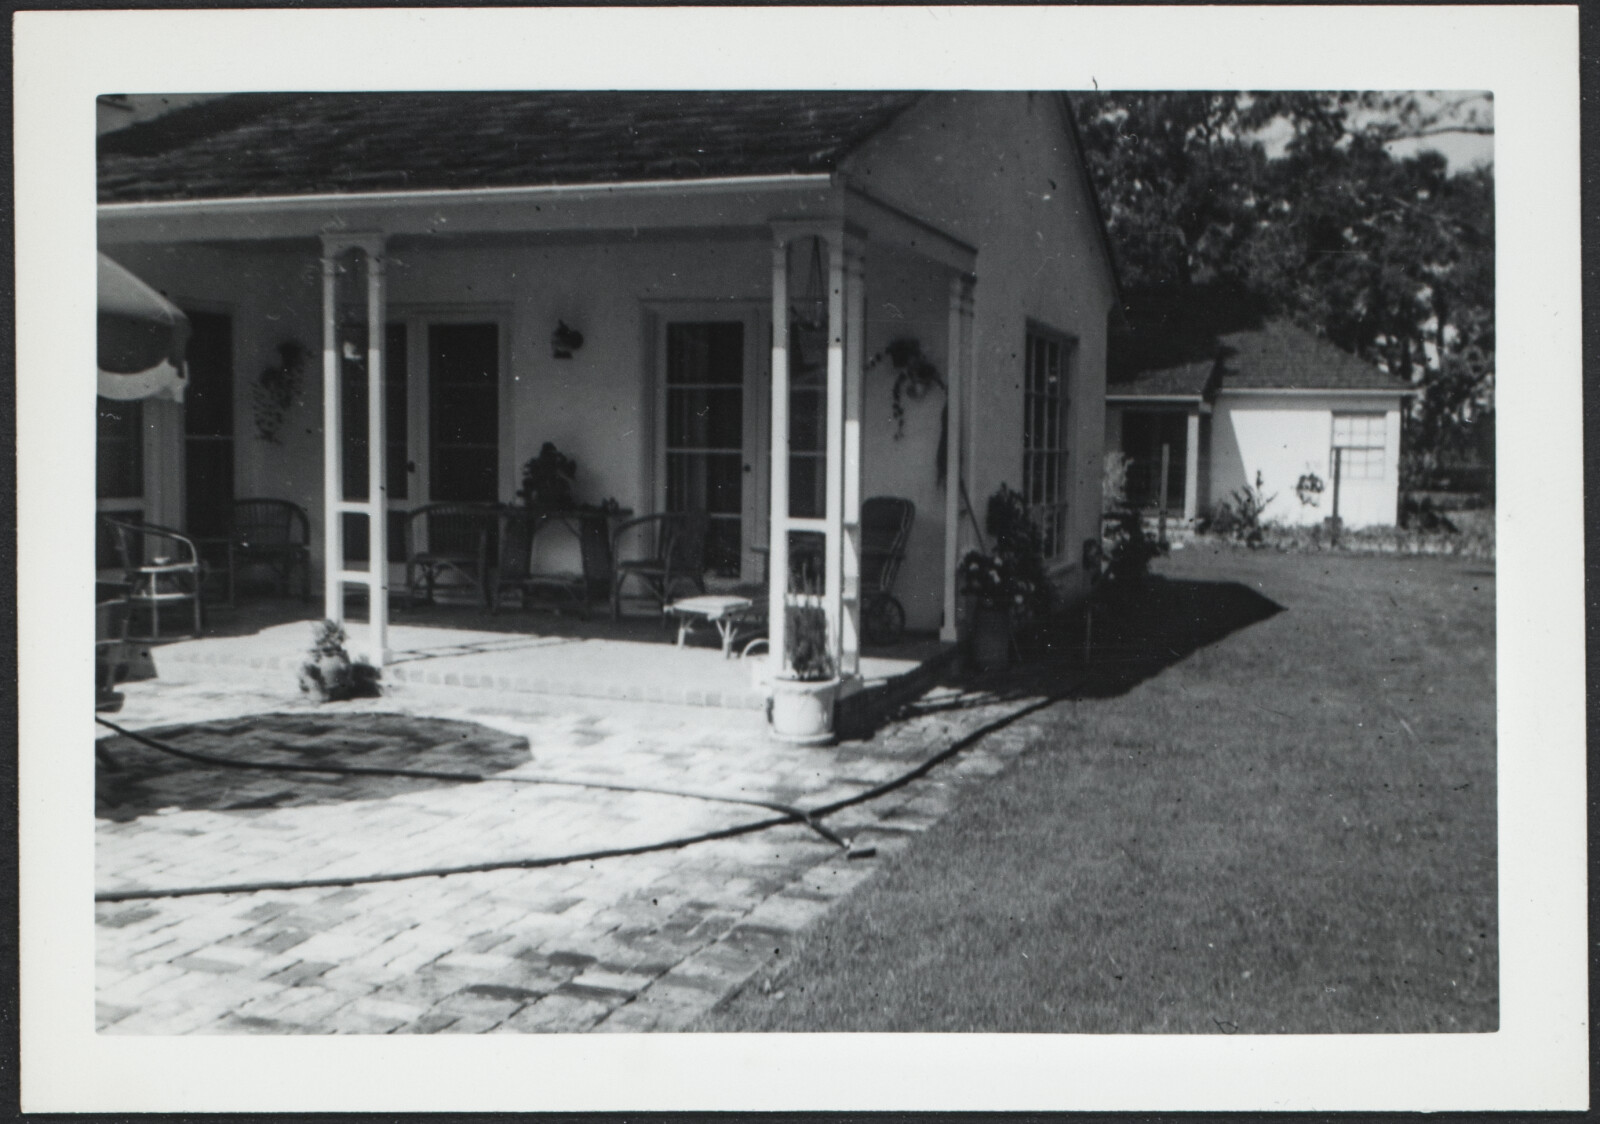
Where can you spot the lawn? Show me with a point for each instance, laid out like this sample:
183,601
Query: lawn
1272,809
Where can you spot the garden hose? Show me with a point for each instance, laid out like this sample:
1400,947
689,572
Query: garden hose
465,778
810,817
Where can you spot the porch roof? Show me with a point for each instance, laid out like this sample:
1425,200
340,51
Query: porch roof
253,145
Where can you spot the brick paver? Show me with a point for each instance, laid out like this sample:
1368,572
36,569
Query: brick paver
641,942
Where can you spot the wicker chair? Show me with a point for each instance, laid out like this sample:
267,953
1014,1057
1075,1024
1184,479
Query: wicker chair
885,527
675,552
271,533
448,538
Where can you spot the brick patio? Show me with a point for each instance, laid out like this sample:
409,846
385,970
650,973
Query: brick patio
639,942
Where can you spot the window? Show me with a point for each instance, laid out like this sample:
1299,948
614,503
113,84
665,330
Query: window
1044,437
1358,444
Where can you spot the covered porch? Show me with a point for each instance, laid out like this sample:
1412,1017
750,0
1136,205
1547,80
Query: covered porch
726,361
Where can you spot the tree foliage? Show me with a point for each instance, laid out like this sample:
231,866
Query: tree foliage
1389,256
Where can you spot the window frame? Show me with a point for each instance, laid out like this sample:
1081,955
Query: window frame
1047,450
1367,446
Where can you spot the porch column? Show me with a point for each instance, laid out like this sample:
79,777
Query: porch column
833,511
332,445
335,506
377,457
778,474
958,357
855,319
1191,466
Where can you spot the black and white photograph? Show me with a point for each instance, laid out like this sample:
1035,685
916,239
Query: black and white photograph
729,565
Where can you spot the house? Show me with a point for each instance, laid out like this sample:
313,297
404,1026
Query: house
1320,427
691,294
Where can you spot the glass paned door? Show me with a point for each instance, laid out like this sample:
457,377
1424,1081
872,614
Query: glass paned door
208,426
464,419
704,440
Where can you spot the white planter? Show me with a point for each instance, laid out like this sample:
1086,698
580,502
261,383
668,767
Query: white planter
802,712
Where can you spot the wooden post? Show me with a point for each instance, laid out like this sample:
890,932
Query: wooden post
778,482
833,517
854,382
377,449
958,362
332,443
1161,508
1191,467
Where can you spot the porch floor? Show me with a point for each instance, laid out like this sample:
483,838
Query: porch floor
635,659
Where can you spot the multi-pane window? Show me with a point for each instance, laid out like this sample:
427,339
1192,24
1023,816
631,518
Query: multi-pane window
705,433
1358,445
1044,437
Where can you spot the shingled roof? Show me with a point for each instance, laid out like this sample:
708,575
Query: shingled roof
1278,355
1282,356
296,144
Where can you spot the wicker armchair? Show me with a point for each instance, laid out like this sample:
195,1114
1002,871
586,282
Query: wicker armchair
444,539
271,533
675,552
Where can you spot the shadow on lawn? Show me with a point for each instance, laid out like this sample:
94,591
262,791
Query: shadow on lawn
1133,638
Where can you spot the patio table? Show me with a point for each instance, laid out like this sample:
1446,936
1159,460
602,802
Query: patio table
726,611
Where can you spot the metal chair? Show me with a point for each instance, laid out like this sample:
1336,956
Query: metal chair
272,533
885,528
675,552
110,651
162,569
448,538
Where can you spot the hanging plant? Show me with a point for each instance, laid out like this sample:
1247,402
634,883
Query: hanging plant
276,389
914,376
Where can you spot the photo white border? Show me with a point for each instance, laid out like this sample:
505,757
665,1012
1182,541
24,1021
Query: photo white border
1528,57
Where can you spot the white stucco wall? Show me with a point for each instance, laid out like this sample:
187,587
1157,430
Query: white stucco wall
597,406
997,171
1283,436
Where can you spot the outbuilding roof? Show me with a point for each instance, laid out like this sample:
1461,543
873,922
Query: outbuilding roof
310,143
1283,356
1277,355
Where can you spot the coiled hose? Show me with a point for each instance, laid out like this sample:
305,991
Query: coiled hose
787,814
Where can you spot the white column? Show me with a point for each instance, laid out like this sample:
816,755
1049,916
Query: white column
959,343
833,517
377,449
1191,466
332,445
778,482
855,291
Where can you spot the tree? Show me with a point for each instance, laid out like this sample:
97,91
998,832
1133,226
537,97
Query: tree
1391,257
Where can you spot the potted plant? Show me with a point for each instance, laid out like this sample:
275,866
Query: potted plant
1004,585
914,376
329,674
547,480
804,692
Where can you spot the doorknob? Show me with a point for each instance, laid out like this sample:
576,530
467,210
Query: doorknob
411,466
747,468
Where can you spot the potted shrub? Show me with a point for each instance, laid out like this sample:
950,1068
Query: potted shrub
547,480
804,692
329,674
1005,585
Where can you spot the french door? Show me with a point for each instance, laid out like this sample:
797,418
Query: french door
443,416
709,402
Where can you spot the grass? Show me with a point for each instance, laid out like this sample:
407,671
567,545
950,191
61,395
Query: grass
1272,810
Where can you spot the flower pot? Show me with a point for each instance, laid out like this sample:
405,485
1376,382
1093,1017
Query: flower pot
801,712
991,638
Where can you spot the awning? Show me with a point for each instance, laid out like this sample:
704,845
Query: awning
142,338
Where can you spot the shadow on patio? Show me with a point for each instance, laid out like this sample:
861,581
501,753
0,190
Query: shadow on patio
143,781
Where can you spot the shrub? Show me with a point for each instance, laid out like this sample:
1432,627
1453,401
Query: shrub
1129,549
1114,481
1016,543
1239,516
